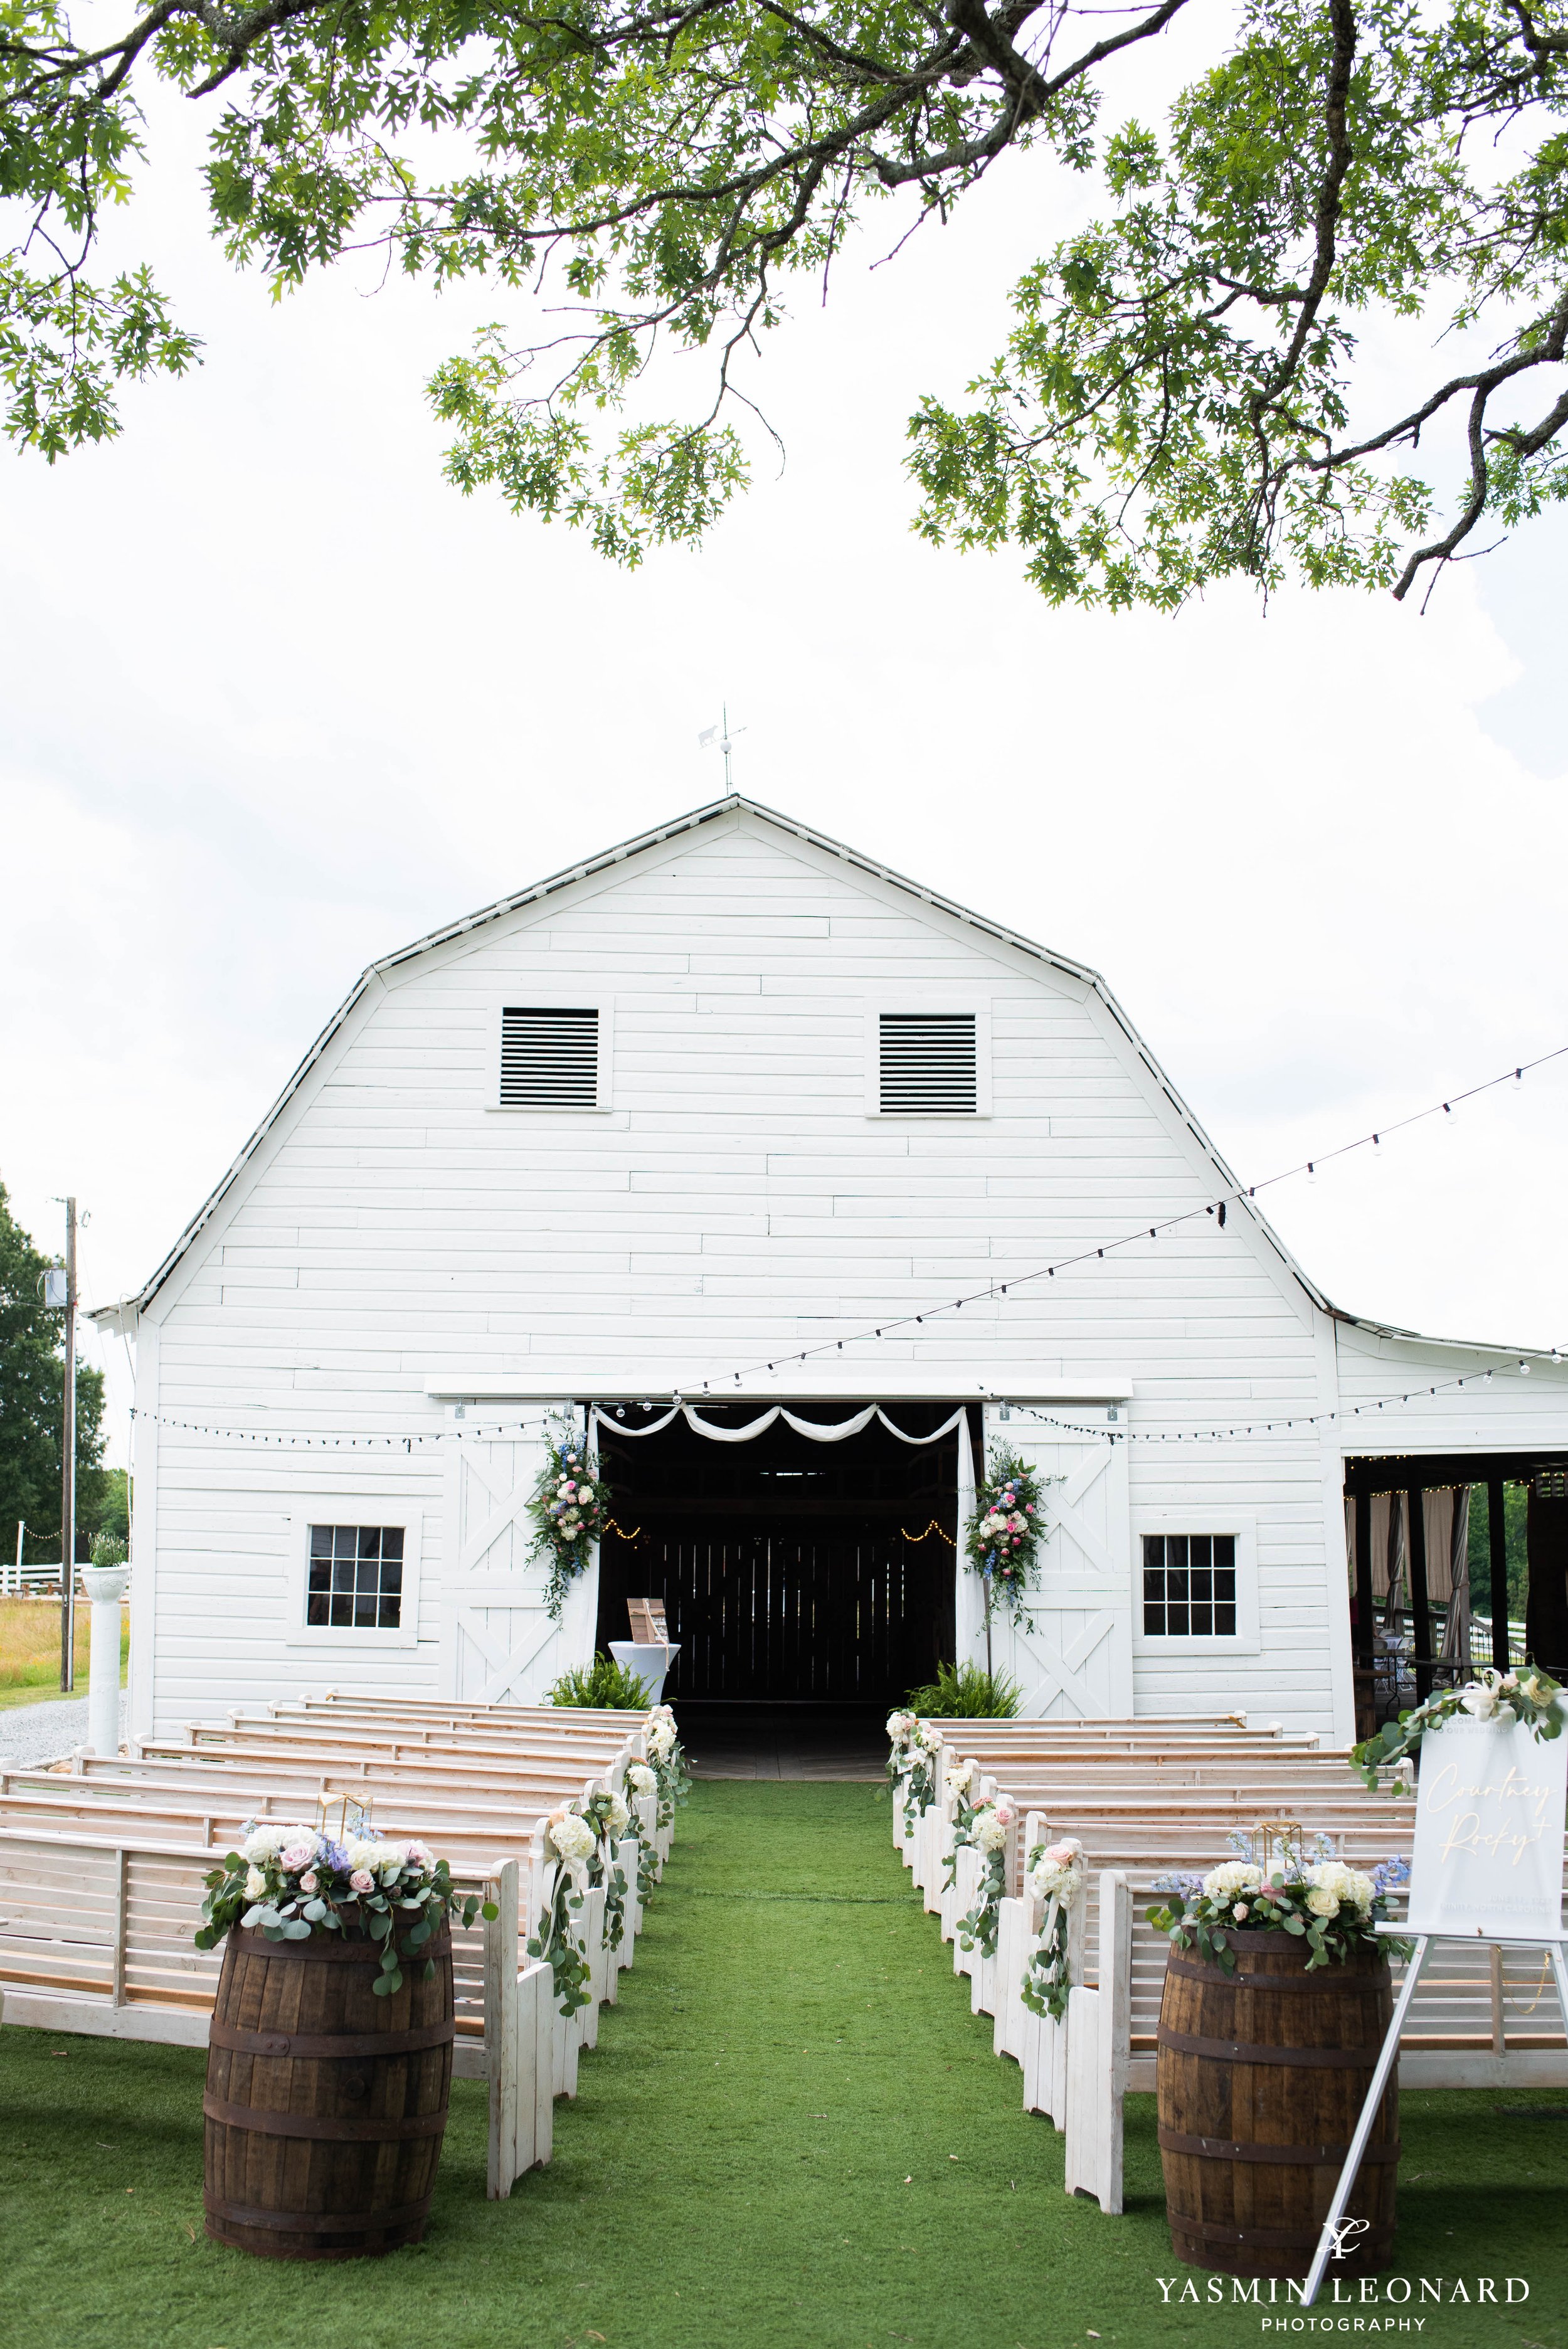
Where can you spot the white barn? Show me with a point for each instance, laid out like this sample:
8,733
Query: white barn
734,1096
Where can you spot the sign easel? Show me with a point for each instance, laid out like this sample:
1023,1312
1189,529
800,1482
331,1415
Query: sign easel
1487,1866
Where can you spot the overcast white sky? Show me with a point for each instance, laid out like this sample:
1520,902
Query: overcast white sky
276,700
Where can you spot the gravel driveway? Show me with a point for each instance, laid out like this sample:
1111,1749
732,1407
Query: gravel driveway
36,1733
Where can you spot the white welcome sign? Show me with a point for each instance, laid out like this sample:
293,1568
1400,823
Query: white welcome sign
1488,1857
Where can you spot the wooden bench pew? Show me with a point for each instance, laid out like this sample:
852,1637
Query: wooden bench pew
96,1938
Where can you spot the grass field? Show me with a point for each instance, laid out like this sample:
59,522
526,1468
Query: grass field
30,1650
793,2132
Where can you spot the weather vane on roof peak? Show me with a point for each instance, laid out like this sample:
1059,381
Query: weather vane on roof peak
722,735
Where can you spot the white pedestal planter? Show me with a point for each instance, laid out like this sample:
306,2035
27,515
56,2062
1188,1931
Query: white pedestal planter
650,1662
106,1586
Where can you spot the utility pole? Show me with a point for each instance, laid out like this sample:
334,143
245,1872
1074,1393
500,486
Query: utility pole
68,1467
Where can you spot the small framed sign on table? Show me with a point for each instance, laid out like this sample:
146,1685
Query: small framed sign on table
1487,1865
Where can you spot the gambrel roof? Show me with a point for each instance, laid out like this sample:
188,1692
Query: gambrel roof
125,1313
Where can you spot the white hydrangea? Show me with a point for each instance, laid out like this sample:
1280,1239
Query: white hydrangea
361,1852
956,1776
573,1837
900,1727
661,1740
988,1831
619,1816
1050,1879
266,1842
1231,1877
640,1779
928,1737
1346,1887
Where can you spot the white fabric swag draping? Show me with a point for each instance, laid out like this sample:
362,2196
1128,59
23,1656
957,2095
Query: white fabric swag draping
820,1431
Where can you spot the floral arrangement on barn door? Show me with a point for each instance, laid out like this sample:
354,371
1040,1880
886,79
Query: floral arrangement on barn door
1002,1538
567,1508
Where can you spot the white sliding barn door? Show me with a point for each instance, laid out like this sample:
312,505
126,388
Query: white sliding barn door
498,1644
1077,1661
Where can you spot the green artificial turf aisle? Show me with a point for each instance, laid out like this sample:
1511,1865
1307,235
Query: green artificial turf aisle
792,2132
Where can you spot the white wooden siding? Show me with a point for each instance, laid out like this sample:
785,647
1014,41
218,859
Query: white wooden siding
735,1203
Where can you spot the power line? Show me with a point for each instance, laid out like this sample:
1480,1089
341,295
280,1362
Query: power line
1373,1139
1216,1208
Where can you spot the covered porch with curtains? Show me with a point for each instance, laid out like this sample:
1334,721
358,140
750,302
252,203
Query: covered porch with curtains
1449,1571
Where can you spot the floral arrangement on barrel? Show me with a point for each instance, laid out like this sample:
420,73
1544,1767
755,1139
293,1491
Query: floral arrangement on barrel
1002,1538
1334,1909
567,1508
985,1829
290,1882
1056,1876
1529,1695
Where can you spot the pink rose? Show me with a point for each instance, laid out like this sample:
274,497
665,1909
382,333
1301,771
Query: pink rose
362,1880
1004,1815
419,1855
308,1882
1061,1855
1028,1508
298,1856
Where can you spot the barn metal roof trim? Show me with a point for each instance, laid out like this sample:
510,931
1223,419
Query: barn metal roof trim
125,1313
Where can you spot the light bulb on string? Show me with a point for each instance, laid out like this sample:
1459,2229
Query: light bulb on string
1311,1172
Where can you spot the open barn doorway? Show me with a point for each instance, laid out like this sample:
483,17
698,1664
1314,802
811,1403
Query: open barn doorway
810,1585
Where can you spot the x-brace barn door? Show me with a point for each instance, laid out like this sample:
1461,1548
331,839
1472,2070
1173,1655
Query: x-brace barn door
498,1646
1078,1661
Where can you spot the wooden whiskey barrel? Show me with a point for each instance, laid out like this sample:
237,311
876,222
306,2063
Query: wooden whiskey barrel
326,2106
1262,2076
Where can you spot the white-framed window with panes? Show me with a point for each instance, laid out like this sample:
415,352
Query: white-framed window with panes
549,1054
1195,1582
354,1574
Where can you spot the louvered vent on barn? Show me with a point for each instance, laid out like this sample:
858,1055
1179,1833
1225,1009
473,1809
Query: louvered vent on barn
549,1058
928,1063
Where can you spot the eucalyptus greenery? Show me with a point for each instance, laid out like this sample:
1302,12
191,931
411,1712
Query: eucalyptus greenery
1198,380
1332,1909
289,1883
978,1927
554,1938
1529,1695
912,1749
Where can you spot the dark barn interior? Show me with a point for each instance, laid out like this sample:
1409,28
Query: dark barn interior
794,1573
